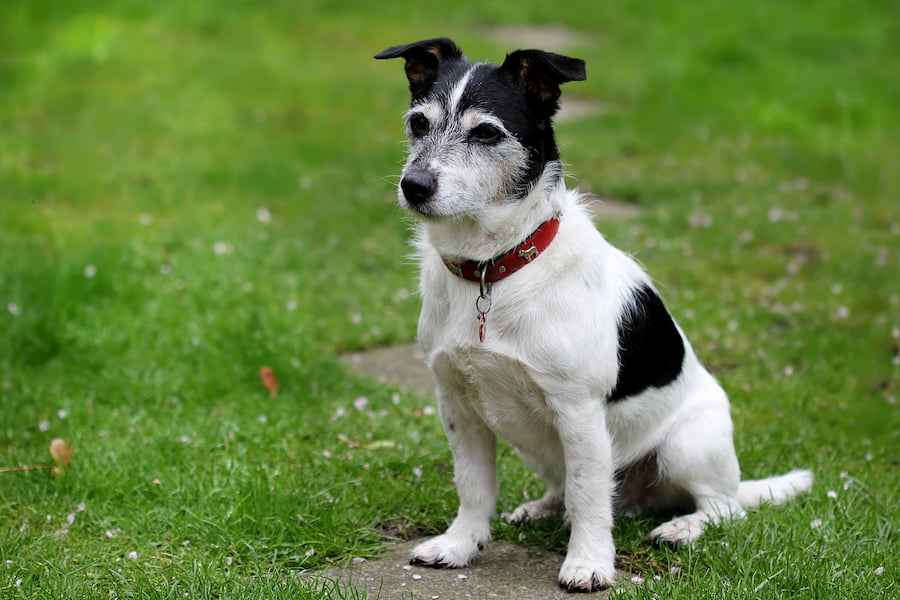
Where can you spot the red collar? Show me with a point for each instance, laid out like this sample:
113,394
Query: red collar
506,264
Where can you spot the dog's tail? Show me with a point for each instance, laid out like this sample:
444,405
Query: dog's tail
774,490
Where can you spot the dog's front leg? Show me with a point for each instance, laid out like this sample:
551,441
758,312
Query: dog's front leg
474,449
590,559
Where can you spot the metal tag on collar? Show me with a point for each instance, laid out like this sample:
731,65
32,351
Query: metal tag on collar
483,302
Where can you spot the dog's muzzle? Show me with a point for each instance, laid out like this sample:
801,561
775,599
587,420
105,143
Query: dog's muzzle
418,187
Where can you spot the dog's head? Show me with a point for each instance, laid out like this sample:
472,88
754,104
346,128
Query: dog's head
479,134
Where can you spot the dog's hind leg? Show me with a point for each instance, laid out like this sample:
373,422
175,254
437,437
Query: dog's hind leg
547,506
549,465
714,505
474,463
698,458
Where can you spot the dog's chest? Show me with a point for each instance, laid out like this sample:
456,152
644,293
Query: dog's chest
498,387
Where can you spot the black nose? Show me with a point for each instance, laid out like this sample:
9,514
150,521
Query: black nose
418,186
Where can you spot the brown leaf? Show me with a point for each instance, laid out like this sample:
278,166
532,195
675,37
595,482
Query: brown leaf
267,375
61,452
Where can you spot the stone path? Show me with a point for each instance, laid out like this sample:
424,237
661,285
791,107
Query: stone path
502,570
401,365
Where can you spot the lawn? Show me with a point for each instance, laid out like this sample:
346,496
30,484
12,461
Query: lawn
192,191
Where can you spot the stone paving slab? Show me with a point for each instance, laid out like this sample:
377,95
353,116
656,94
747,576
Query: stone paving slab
502,570
402,365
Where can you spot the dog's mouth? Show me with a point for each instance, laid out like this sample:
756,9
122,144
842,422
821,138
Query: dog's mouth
426,212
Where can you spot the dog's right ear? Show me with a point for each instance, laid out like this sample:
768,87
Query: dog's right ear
423,59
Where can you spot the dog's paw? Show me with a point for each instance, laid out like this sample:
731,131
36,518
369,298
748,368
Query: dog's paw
586,575
680,531
445,551
532,511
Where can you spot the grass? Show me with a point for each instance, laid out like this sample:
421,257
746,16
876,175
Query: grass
192,191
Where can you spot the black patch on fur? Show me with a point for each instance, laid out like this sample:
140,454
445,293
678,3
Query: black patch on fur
651,351
495,90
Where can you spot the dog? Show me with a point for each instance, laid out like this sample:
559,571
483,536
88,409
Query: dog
539,331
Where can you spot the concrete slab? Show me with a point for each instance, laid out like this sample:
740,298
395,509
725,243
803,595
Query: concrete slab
402,365
502,570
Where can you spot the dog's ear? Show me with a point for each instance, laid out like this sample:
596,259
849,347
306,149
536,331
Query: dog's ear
540,73
423,59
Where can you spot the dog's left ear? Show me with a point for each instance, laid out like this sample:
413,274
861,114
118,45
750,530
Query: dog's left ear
541,73
423,59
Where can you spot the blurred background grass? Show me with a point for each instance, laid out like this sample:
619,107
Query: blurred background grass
190,191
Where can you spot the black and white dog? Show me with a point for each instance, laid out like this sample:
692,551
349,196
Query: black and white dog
537,330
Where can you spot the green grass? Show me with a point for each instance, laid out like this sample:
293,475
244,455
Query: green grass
142,286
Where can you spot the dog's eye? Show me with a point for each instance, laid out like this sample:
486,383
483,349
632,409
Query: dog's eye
485,134
419,125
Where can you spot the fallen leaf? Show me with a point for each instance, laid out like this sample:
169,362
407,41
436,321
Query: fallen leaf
61,452
267,375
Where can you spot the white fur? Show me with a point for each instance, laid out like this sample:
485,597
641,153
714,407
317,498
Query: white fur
541,379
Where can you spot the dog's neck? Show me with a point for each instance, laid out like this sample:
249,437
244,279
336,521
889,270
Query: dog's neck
499,227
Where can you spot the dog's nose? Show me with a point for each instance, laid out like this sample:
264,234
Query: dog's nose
418,186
